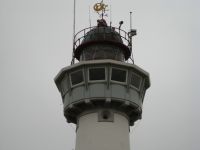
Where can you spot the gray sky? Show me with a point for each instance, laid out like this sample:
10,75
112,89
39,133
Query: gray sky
36,42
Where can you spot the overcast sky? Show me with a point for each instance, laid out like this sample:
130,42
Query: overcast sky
36,42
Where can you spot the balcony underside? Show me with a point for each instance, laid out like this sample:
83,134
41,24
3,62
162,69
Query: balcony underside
132,110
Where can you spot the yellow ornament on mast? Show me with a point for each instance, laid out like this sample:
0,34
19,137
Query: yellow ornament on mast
100,7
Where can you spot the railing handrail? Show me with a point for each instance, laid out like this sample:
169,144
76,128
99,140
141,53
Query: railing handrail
78,39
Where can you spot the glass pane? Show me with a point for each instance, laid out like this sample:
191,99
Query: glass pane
104,51
135,80
76,77
97,74
118,75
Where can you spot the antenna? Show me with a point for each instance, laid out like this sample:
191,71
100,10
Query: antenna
89,17
74,28
131,38
74,25
131,33
110,15
130,21
103,10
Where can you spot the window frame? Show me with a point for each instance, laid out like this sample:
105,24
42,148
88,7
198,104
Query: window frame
141,80
64,79
96,81
119,82
72,86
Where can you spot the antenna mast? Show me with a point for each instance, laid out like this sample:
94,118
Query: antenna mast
131,33
74,28
130,21
110,15
89,17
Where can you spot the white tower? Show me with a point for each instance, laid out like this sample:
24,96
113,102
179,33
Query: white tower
102,94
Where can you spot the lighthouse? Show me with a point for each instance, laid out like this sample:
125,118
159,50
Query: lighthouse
102,92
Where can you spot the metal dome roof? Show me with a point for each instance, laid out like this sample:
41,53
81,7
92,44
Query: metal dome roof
102,34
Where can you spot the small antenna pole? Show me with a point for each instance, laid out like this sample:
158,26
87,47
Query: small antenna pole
131,34
102,10
130,21
74,28
89,17
110,15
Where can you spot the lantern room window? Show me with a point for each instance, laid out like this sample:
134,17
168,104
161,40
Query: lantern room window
136,81
118,75
76,77
97,74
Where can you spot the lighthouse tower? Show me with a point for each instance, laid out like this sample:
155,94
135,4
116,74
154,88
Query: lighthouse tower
102,93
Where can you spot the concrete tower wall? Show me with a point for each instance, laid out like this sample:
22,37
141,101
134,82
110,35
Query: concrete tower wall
93,134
